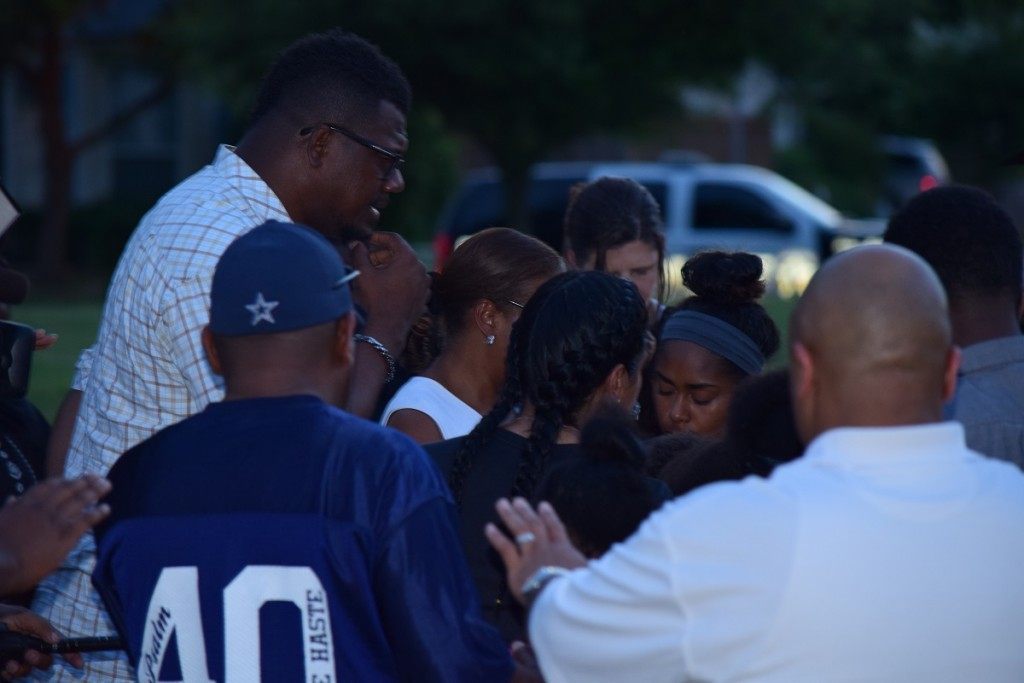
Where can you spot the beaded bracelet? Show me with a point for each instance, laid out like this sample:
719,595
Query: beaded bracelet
383,350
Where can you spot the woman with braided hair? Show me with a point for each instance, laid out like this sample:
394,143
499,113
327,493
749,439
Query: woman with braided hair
578,346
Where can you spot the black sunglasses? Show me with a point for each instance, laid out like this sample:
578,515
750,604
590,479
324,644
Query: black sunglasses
396,159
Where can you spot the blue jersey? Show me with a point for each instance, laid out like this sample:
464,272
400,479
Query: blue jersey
280,539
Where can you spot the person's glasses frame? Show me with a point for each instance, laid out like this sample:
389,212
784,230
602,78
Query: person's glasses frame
396,159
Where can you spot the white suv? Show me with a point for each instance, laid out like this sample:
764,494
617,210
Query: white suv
704,206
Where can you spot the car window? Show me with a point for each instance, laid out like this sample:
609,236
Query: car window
721,206
905,163
483,206
480,206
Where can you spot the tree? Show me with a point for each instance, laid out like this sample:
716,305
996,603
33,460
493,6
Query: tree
35,39
520,77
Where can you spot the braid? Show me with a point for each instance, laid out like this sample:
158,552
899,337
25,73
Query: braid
543,435
511,396
562,368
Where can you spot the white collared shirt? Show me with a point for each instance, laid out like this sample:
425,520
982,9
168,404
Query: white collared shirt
885,554
147,369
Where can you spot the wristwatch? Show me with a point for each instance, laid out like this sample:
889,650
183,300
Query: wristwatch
536,583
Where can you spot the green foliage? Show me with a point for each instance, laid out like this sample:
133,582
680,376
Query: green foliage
839,159
519,77
96,234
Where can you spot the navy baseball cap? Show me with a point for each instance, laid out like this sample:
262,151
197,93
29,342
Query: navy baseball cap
278,277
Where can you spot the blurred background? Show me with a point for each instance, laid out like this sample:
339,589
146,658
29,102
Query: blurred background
106,104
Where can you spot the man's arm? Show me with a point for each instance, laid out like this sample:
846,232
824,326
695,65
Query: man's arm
392,289
60,434
605,622
67,415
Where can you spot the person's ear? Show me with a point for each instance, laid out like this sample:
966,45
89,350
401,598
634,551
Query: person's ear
485,317
801,372
949,376
316,146
344,343
570,259
617,384
211,351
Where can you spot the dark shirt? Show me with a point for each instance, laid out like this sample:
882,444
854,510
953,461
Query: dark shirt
24,433
492,476
288,528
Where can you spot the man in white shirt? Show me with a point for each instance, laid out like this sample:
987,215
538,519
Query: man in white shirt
324,148
889,552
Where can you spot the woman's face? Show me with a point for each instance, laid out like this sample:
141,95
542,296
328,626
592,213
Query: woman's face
691,389
636,261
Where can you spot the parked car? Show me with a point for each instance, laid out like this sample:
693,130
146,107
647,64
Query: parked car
704,206
912,165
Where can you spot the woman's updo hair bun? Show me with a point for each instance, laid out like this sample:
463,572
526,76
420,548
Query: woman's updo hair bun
727,285
725,278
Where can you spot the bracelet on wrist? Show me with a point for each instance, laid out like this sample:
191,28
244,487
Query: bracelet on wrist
536,583
389,360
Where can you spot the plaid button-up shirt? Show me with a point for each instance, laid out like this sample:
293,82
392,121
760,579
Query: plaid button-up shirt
147,369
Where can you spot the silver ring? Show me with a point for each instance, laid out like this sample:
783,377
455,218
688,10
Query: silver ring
525,537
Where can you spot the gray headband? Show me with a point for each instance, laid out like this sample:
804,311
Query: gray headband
717,336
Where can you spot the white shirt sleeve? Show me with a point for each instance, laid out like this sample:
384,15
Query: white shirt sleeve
616,620
82,369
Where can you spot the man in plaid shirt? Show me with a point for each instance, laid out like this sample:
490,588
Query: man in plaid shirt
324,148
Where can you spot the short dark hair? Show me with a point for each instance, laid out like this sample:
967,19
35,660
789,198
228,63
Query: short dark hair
332,71
601,494
965,236
761,427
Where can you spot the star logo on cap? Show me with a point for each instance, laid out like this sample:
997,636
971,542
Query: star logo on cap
261,309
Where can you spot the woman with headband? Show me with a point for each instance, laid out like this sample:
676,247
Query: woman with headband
710,343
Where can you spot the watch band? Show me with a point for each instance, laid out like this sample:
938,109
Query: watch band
383,350
536,583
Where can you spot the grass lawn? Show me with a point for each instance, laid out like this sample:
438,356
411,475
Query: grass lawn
76,323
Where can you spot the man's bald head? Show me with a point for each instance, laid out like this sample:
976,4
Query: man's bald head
871,342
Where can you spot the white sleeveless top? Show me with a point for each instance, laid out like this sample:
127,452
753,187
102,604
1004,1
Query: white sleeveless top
452,417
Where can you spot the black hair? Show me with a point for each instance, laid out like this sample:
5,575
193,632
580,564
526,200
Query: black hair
608,213
761,428
727,285
662,449
965,236
699,465
498,264
574,331
601,495
332,72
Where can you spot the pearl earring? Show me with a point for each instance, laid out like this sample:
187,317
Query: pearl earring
489,340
